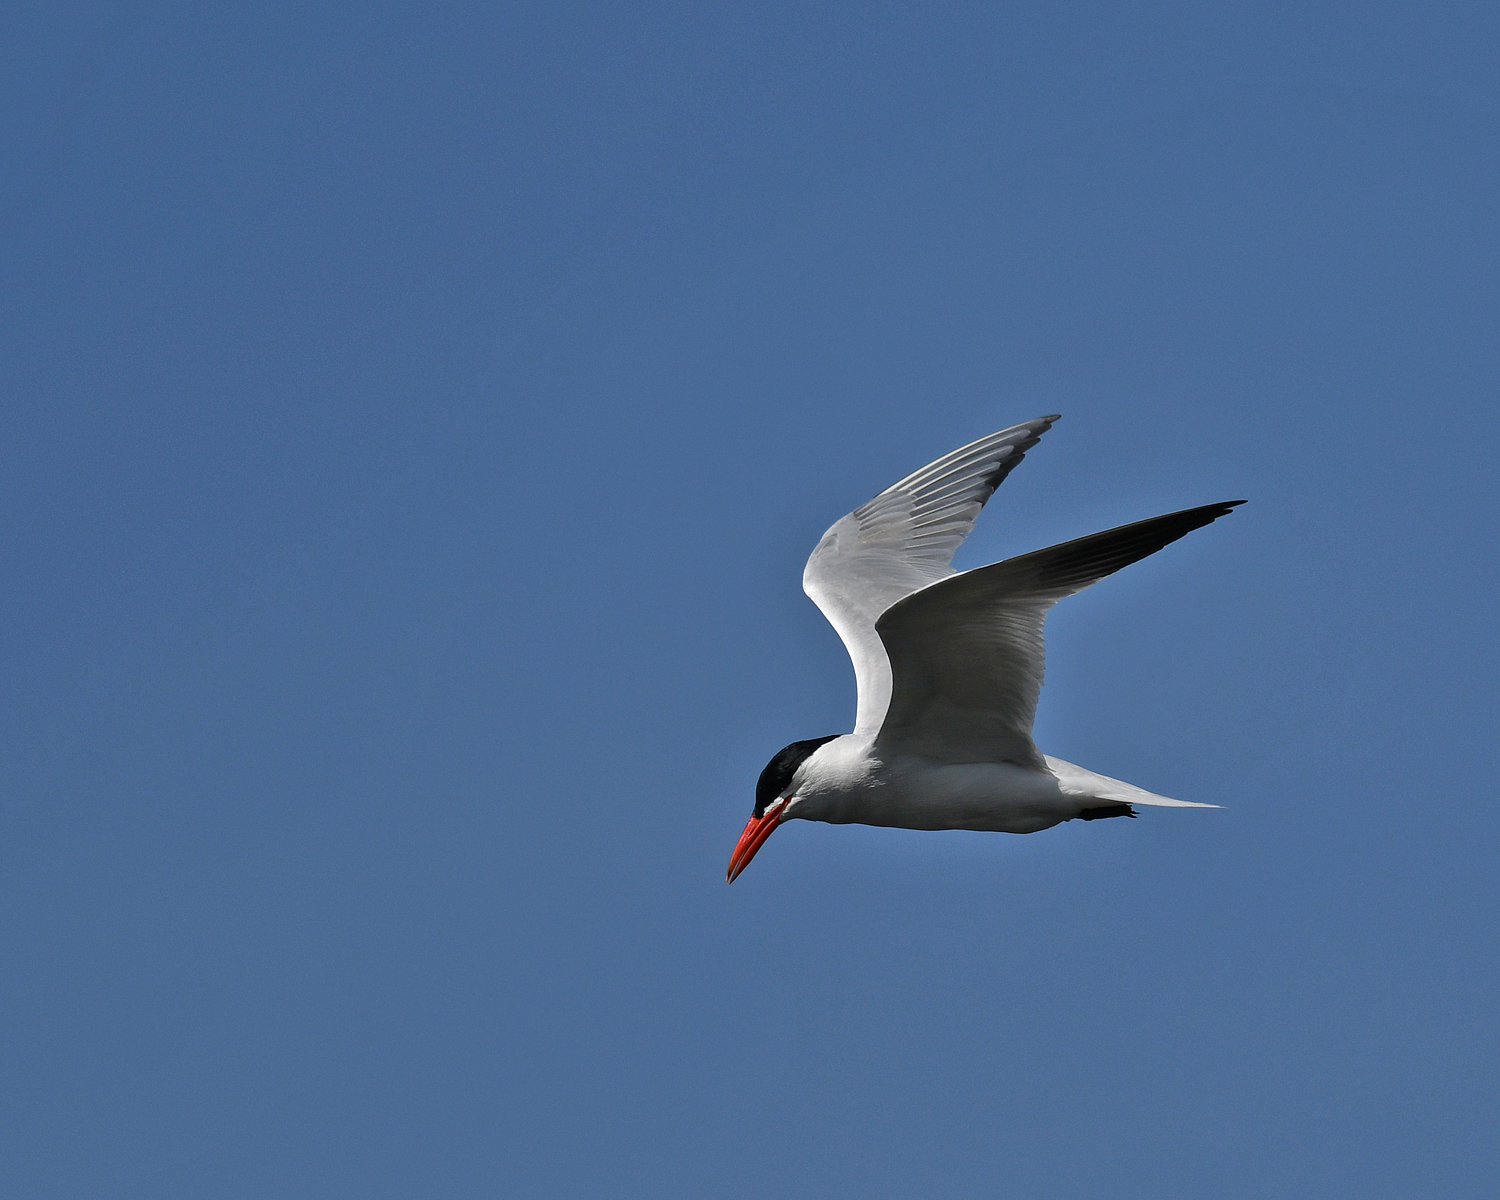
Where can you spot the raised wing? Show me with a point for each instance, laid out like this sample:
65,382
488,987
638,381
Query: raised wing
903,540
966,653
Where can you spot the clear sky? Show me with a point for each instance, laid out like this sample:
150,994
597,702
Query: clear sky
416,417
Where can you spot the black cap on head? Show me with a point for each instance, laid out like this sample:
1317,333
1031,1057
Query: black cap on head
779,771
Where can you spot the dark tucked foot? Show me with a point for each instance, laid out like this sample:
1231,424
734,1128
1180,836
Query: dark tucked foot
1108,810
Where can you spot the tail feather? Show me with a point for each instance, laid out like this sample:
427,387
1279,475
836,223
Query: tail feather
1079,781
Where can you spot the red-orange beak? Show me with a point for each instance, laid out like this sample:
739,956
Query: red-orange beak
755,835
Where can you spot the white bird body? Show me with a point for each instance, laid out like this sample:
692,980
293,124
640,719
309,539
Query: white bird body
843,783
949,665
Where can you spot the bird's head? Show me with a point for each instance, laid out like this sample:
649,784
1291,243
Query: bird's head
774,790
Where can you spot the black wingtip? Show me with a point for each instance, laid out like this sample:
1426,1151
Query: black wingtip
1107,810
1208,512
1074,565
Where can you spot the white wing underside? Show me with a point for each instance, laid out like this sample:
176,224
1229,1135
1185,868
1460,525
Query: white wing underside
949,665
966,652
901,541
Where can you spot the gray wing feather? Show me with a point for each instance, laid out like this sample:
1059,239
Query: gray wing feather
901,541
966,652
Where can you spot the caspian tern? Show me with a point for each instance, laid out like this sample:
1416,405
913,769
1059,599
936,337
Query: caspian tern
949,665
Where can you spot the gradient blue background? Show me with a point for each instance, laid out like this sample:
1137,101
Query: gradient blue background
415,421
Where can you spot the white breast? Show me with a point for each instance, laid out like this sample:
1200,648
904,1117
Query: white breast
842,784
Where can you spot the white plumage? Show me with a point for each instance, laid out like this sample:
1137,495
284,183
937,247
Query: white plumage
949,666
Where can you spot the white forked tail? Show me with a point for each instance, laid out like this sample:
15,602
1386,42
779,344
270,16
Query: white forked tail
1078,781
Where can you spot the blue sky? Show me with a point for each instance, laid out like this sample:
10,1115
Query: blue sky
416,418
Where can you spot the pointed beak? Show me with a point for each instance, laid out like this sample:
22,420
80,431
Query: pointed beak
755,835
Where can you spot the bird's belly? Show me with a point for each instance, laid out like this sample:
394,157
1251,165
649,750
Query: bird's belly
996,797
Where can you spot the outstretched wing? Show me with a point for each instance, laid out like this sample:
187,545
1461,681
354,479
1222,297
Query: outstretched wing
903,540
966,652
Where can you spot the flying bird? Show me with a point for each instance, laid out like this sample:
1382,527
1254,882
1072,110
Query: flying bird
949,664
